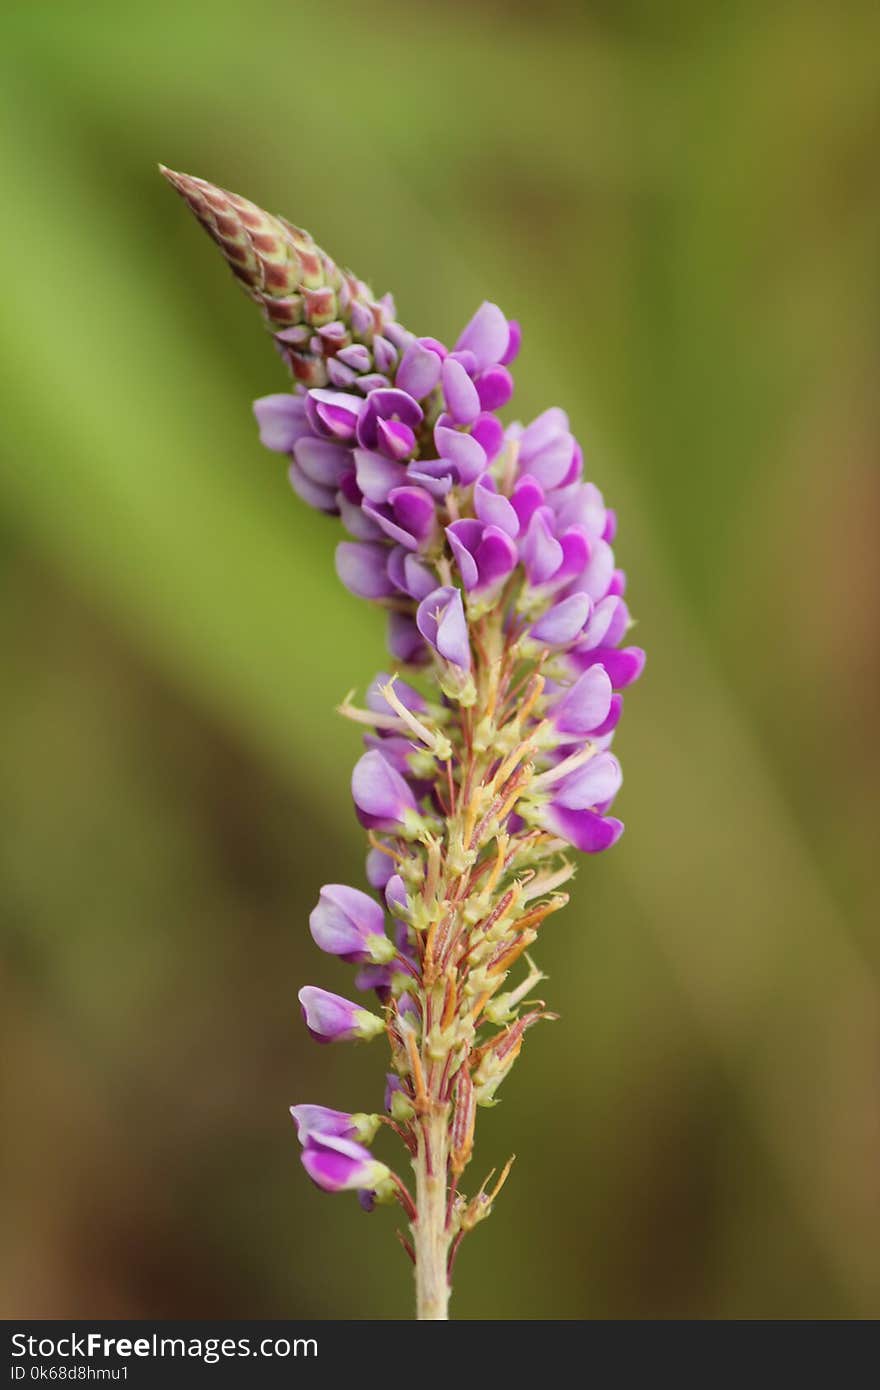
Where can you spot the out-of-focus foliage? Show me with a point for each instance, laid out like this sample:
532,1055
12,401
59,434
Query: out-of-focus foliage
681,205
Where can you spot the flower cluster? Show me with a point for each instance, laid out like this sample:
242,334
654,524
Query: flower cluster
492,557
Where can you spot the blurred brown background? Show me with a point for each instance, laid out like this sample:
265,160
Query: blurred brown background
681,204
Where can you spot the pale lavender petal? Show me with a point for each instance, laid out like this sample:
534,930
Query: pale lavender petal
381,796
493,508
419,371
594,784
441,621
362,567
282,421
344,920
487,335
562,623
541,551
541,432
377,475
464,452
586,704
321,498
514,341
460,393
404,639
323,461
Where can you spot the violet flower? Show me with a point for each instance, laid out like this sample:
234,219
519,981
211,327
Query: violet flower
492,558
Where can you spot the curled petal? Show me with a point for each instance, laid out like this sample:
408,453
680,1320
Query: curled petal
586,830
363,568
383,799
487,335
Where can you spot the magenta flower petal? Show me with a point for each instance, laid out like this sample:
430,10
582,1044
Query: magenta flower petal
514,341
489,432
330,1018
623,664
586,830
341,1165
526,498
494,388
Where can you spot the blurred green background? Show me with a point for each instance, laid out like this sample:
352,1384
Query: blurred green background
682,206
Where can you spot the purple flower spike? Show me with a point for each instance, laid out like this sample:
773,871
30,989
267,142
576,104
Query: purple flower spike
441,622
585,705
341,1165
363,568
350,924
330,1018
586,830
561,624
487,336
312,1120
460,393
485,555
282,421
383,800
419,371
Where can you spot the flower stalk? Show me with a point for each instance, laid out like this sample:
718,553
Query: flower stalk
492,559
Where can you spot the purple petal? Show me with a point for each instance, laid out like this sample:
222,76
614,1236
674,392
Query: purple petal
322,461
496,557
526,498
362,567
344,919
514,341
493,508
356,356
380,794
541,551
495,388
489,432
414,509
542,432
419,371
321,498
404,640
594,784
586,704
282,421
487,335
317,1119
623,664
460,393
395,439
464,452
380,867
328,1017
562,623
464,537
586,830
441,621
408,697
377,475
